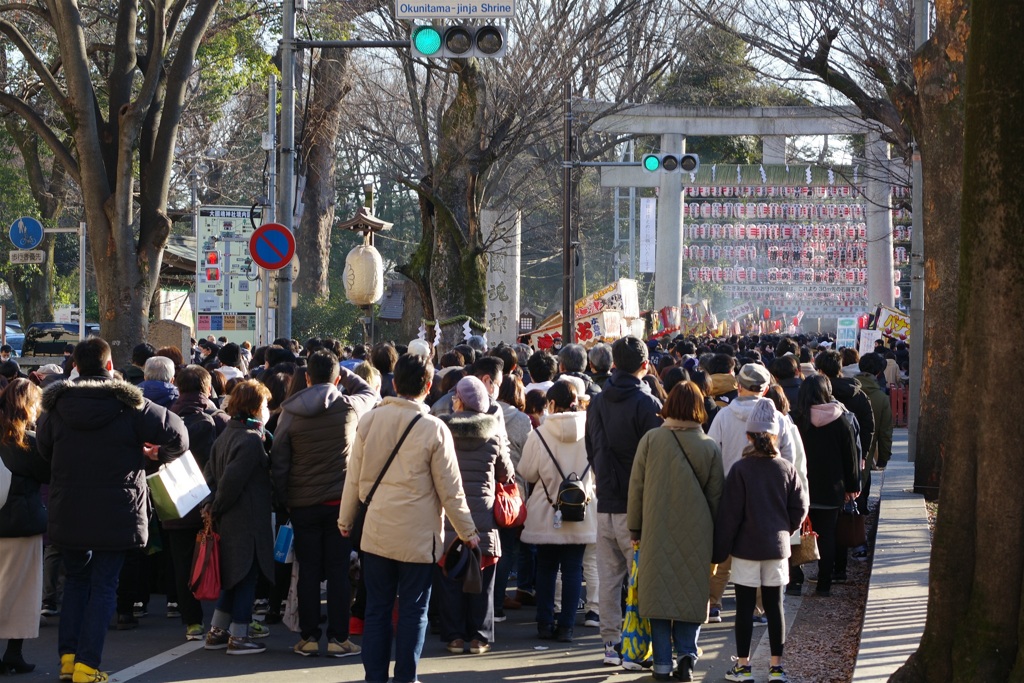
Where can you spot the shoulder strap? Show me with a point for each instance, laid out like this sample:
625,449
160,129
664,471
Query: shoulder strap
391,458
551,455
690,462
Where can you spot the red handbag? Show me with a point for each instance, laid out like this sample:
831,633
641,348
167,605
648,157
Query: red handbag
204,580
509,508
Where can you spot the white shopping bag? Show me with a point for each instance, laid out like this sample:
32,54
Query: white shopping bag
178,487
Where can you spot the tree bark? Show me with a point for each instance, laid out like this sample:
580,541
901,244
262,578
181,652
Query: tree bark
320,146
973,630
940,73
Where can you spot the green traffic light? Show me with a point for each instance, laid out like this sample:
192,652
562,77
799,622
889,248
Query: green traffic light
651,163
426,40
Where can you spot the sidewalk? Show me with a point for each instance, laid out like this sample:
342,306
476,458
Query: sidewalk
898,591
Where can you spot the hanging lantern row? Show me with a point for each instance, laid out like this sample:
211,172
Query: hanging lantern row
900,256
900,191
772,210
784,276
761,191
849,232
902,233
847,297
817,254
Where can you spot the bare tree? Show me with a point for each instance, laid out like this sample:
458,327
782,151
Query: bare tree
864,52
116,89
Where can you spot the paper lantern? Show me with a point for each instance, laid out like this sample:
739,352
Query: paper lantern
896,292
364,275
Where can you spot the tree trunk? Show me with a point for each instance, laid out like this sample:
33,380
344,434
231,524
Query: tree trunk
940,74
973,631
458,267
320,144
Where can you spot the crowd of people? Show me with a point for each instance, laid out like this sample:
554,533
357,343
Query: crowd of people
704,456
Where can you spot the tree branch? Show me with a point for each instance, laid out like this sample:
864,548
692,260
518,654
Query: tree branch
38,124
33,60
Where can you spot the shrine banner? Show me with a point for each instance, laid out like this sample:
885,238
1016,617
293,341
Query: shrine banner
893,323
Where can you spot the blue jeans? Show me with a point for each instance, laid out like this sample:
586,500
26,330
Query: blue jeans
90,598
319,544
551,558
237,600
665,633
385,580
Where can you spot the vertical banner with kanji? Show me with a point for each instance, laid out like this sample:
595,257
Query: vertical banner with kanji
502,231
648,229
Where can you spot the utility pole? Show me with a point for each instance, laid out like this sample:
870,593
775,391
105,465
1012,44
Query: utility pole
286,187
270,145
568,257
921,8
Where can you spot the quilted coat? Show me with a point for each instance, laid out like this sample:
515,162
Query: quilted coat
672,504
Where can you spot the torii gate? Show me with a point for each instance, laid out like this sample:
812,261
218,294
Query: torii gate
774,125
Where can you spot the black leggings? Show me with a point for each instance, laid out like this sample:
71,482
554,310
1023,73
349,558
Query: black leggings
771,599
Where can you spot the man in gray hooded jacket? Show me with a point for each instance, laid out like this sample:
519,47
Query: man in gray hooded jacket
309,460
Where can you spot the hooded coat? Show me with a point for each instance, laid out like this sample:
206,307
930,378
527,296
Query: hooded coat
563,433
481,463
617,419
91,431
313,440
848,392
673,500
833,468
729,431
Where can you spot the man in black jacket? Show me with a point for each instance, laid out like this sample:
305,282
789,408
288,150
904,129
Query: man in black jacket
617,418
97,434
312,444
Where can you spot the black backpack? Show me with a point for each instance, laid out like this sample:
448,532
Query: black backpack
571,499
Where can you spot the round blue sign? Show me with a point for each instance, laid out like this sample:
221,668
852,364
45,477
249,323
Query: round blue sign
272,246
26,233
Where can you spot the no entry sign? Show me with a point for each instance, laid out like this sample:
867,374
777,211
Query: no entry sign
272,246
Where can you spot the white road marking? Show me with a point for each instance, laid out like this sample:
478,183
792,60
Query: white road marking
159,660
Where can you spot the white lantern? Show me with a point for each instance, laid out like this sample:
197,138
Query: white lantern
364,275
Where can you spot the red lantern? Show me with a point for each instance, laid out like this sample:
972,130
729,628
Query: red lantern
767,314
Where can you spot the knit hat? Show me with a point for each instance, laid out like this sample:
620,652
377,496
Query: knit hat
754,377
473,394
230,354
762,417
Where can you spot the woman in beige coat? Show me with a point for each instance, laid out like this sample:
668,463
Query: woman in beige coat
674,490
560,544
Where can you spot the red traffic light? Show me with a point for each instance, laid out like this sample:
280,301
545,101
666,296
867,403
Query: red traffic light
212,258
212,274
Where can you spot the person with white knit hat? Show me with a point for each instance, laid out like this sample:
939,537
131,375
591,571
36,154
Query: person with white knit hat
762,504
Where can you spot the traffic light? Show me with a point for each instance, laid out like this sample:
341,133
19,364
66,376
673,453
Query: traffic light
212,266
459,41
670,163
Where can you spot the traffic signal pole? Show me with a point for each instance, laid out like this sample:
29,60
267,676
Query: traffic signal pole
286,185
568,262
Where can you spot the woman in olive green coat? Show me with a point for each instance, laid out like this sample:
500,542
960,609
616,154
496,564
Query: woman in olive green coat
674,490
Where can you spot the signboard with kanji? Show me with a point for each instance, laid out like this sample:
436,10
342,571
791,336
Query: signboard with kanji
227,280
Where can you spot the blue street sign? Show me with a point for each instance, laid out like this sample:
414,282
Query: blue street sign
26,233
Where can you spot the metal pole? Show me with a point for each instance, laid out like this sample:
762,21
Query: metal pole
271,216
81,281
568,269
286,188
917,262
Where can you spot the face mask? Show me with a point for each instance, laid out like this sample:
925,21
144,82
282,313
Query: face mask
265,415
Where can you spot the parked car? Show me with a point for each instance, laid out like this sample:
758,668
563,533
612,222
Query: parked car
50,338
15,338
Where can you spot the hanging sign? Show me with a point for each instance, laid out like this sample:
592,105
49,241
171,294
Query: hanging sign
648,231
